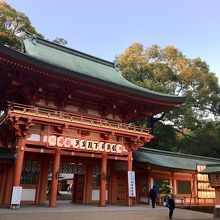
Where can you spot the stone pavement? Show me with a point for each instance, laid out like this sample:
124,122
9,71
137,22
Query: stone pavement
68,211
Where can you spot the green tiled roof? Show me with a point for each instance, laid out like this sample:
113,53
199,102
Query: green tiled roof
6,154
84,66
212,168
173,160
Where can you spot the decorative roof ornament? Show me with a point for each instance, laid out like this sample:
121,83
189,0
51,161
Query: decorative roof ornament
116,65
31,36
34,39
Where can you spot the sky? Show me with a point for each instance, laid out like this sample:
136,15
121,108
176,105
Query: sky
105,28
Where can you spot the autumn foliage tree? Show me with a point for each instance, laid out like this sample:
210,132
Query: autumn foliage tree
167,70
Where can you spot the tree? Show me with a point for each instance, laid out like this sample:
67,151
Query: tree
165,188
203,141
167,70
13,25
60,41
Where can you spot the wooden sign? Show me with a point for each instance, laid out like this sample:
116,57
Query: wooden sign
214,179
88,145
16,197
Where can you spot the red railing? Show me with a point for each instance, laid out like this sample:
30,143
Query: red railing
40,112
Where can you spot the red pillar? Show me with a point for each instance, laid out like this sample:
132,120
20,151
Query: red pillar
112,187
3,182
43,181
19,161
55,176
88,183
103,180
8,186
74,188
129,169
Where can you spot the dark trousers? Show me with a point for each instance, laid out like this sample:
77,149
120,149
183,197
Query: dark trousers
171,212
153,202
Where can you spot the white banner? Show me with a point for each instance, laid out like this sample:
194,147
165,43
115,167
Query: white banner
131,184
16,197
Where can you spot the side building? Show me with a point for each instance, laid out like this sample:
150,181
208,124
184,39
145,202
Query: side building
183,172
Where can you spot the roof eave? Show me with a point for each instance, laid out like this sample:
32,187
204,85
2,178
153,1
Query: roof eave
173,100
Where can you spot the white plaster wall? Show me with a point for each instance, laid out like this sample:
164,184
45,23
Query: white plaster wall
34,137
28,194
144,199
95,195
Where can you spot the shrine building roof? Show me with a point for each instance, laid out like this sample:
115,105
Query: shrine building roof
86,67
6,154
172,160
212,168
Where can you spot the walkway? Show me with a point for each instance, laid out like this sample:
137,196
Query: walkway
68,211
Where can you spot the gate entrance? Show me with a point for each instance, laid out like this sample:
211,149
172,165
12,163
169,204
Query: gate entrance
77,182
121,189
78,188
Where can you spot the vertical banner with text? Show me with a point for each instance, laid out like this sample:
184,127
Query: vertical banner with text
131,184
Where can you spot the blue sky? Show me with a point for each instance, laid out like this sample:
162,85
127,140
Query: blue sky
105,28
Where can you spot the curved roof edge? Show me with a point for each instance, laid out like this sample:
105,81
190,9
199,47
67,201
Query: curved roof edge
6,154
172,160
76,64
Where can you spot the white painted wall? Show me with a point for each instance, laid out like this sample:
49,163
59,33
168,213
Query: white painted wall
95,195
28,194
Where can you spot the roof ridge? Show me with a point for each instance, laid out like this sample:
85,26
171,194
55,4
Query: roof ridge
36,39
178,154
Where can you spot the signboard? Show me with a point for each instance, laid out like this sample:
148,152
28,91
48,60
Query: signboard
214,179
88,145
131,184
204,188
16,197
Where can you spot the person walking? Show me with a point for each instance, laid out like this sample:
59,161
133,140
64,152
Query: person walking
171,204
153,196
167,196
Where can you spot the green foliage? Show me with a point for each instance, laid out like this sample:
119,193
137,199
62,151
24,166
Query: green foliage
60,41
167,70
165,187
204,141
164,138
13,25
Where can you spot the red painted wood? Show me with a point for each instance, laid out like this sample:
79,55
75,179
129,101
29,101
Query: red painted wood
103,181
55,175
19,161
